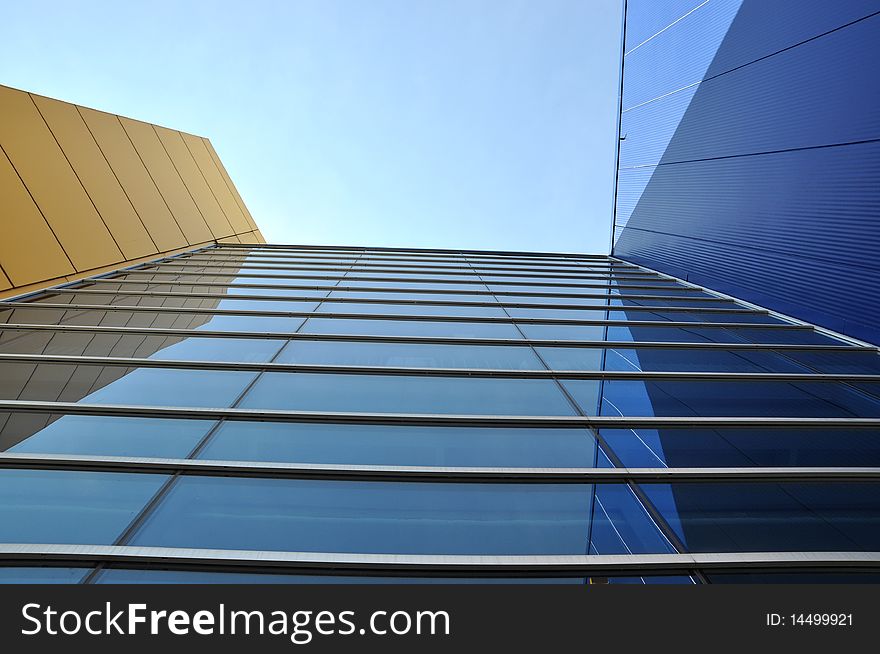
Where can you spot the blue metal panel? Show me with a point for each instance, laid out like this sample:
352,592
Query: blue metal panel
763,180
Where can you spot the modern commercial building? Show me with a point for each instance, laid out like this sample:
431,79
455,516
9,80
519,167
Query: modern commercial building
220,409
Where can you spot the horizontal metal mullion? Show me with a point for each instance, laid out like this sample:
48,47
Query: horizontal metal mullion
406,317
433,291
404,302
488,264
609,285
425,565
183,263
438,340
435,474
542,373
420,251
361,263
439,420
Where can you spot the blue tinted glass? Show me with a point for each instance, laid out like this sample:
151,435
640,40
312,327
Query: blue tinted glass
401,445
220,349
279,292
369,283
438,297
531,299
159,387
280,324
769,517
42,575
621,525
112,436
412,355
756,334
705,448
564,332
55,506
410,309
410,328
725,398
406,394
697,360
371,517
267,305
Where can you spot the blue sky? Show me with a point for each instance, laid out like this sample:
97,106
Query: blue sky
418,123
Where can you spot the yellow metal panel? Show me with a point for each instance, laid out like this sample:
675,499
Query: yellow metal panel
215,180
230,239
94,172
29,252
135,179
46,173
229,183
260,237
195,181
250,237
4,281
167,179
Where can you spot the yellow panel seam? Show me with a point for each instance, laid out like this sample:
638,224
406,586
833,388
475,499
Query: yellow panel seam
202,173
52,231
182,181
116,177
76,174
150,175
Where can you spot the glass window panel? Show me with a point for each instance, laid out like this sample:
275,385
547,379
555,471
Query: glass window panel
529,299
412,355
62,506
454,329
765,446
747,517
31,575
696,360
564,332
118,385
724,398
278,324
410,309
406,394
117,318
368,283
160,387
436,297
109,436
403,445
267,305
619,314
371,517
621,525
756,334
220,349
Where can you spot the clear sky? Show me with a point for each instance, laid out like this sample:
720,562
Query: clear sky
418,123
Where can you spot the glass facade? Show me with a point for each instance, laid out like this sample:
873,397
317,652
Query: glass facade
301,404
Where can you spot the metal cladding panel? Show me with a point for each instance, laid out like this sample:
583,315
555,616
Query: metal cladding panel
167,180
763,178
218,185
95,173
23,223
135,178
84,192
52,183
228,180
195,182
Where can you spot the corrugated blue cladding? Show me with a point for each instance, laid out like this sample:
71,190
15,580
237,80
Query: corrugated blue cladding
751,159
